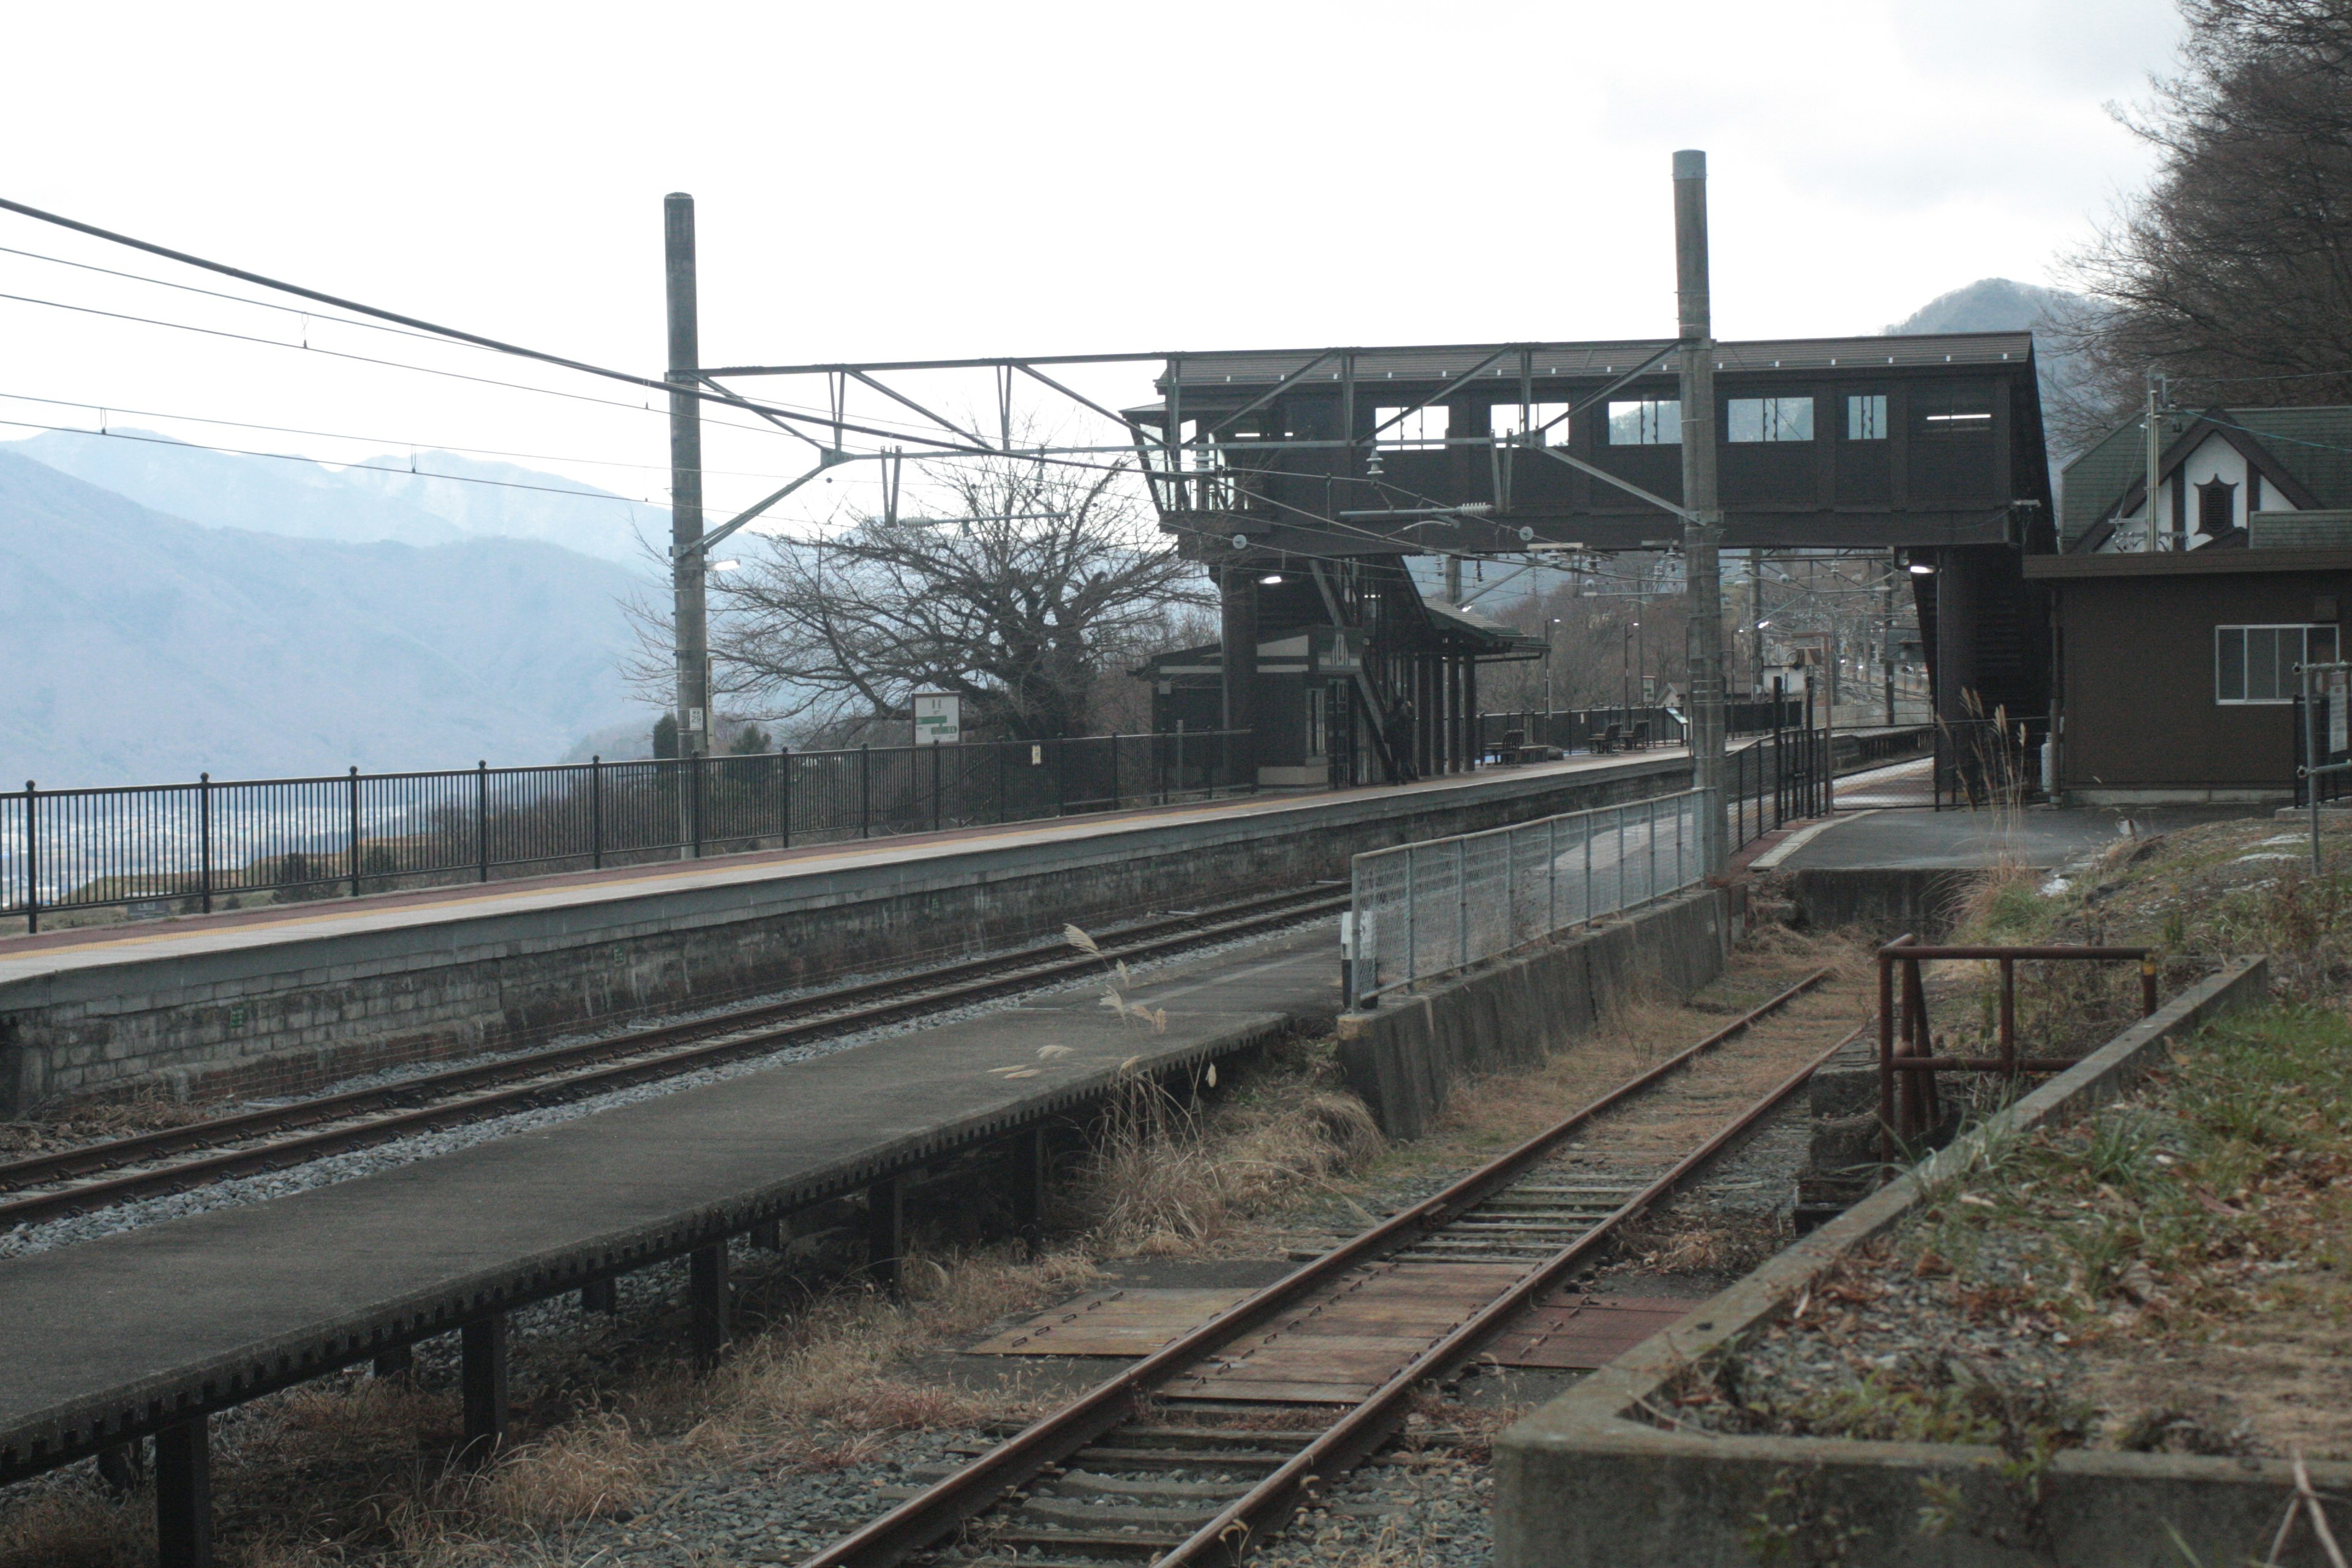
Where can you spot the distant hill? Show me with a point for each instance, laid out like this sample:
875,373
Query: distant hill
1986,305
140,647
444,500
2004,305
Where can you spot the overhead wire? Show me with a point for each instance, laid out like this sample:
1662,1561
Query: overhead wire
104,408
436,332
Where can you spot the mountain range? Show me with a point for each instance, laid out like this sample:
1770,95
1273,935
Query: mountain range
141,647
428,497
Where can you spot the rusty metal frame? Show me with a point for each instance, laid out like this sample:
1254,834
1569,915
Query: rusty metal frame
1908,1104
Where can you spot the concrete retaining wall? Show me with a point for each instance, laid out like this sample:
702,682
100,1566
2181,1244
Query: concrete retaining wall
1885,900
1405,1057
269,1015
1579,1483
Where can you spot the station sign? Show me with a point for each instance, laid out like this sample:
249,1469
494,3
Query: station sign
939,717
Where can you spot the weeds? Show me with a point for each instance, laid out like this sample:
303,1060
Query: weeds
1165,1177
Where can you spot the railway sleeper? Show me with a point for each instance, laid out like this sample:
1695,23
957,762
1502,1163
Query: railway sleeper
1086,1483
1131,1543
1100,1459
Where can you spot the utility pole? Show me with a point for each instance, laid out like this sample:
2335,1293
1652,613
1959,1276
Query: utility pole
1454,580
1756,624
686,563
1703,533
1886,636
2154,457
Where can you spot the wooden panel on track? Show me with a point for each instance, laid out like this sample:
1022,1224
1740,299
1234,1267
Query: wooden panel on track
1132,1322
1338,1345
1578,1333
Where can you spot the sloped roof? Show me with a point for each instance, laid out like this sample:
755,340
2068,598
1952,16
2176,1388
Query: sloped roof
1444,362
2314,446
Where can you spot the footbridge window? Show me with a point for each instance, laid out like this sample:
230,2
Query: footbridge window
1646,422
1771,419
1547,420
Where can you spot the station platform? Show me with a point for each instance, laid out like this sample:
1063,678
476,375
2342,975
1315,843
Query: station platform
144,1331
281,999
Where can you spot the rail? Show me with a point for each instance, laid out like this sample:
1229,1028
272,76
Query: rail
157,849
1909,1056
922,1522
1420,911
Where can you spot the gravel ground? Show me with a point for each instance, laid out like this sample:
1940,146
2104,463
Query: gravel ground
1907,1334
42,1238
1427,1502
779,1514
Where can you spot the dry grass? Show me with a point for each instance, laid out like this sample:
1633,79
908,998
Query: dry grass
1675,1242
826,1389
1166,1178
73,1527
1495,1114
91,1121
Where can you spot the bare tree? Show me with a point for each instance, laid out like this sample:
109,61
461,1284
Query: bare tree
1029,585
2234,268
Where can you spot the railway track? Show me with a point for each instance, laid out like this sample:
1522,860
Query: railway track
177,1159
1195,1453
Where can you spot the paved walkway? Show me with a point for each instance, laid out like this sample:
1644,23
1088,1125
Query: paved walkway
2039,836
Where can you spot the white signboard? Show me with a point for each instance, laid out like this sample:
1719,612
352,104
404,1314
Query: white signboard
2339,732
938,719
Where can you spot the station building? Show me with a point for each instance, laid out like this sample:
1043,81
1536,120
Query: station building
2177,647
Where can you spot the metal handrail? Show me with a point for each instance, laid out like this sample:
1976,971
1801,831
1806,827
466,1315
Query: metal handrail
1362,948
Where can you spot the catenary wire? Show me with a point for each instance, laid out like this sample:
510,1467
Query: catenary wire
374,440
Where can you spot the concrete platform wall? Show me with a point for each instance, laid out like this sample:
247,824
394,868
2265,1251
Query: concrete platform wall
1593,1480
287,1015
1405,1057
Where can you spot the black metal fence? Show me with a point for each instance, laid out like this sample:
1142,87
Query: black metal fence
1778,778
1588,729
189,849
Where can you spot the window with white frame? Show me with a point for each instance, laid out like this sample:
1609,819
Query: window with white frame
1771,419
1547,420
2257,664
1865,416
1422,428
1646,422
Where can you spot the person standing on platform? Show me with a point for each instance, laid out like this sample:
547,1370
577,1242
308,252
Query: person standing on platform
1399,733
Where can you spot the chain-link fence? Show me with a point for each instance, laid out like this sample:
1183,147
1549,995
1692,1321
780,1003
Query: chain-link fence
1424,910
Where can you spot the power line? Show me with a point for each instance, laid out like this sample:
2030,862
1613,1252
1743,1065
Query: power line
103,408
393,363
453,333
216,294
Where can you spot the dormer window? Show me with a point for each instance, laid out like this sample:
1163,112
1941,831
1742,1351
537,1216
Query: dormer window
2217,508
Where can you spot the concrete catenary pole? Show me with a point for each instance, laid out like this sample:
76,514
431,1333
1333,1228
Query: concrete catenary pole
2154,462
687,563
1703,533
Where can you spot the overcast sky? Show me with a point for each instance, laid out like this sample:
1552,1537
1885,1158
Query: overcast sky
925,180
